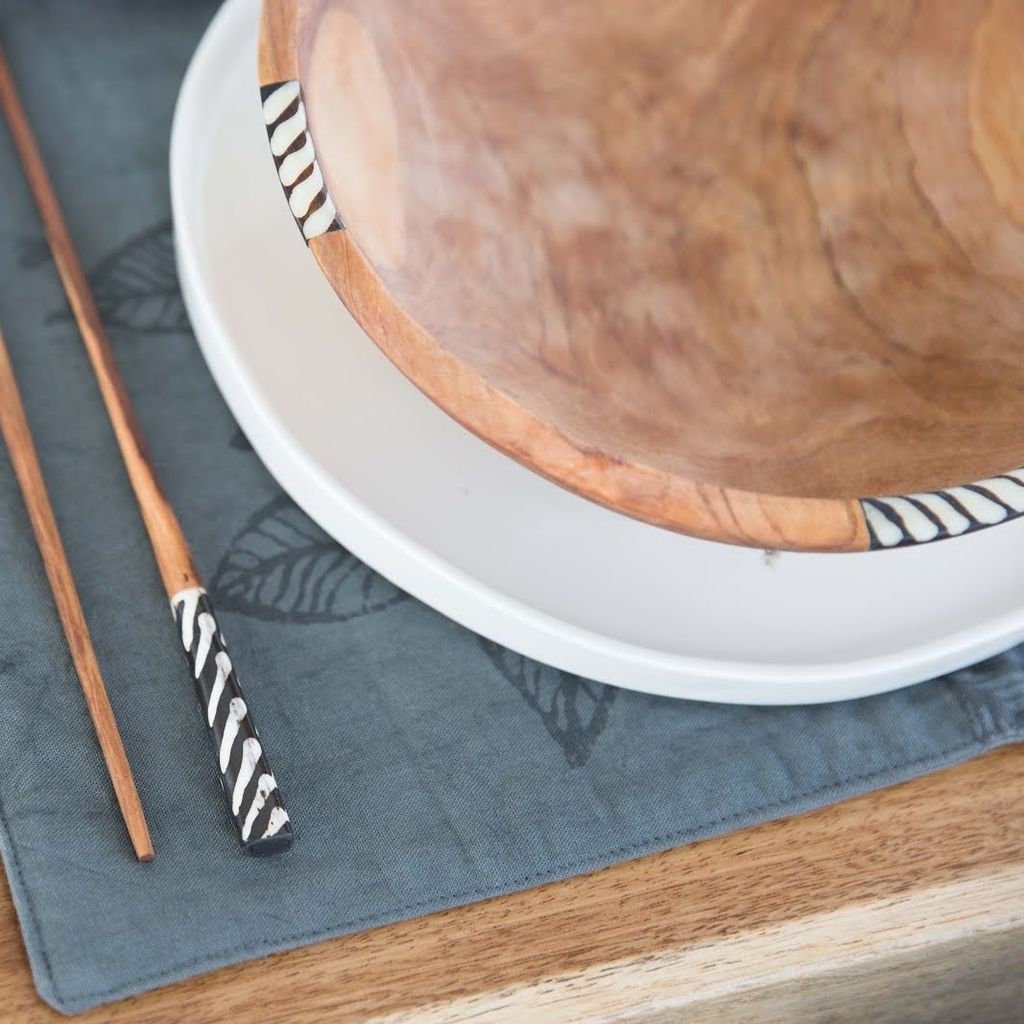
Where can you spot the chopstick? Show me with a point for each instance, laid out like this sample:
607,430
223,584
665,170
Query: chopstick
256,806
18,438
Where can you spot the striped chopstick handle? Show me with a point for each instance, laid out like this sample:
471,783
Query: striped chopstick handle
255,801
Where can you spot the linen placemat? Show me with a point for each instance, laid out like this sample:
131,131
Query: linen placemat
423,766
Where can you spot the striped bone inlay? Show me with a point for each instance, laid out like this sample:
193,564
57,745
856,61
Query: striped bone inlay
936,515
292,147
248,782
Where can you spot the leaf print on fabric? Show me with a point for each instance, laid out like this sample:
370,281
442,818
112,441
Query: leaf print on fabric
136,286
282,567
574,710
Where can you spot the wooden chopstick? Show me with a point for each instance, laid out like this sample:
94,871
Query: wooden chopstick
15,429
256,806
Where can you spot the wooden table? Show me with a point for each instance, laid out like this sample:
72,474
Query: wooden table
905,905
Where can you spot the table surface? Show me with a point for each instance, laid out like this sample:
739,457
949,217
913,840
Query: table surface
908,901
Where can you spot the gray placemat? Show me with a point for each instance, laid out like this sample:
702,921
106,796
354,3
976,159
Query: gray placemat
423,766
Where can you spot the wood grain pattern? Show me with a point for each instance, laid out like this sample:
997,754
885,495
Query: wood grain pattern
20,447
725,268
251,790
974,980
169,545
757,925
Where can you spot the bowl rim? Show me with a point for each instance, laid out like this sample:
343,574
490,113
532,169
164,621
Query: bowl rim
644,492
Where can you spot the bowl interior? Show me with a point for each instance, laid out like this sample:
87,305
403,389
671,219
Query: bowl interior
774,247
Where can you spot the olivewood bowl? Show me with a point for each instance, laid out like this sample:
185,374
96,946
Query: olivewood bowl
725,267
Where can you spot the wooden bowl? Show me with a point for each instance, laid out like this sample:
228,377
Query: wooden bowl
725,267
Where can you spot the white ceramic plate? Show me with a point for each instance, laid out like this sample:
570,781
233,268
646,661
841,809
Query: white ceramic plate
487,542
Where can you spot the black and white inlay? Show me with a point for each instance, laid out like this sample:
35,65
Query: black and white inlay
285,117
249,784
936,515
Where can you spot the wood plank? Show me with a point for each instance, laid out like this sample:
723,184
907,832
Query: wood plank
976,980
847,900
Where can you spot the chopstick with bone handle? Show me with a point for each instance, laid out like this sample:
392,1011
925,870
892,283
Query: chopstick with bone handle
255,802
18,438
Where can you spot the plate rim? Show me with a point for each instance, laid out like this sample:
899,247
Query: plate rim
489,612
626,486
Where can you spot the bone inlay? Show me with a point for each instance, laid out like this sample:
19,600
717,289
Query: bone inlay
253,797
236,712
207,627
266,785
295,158
223,671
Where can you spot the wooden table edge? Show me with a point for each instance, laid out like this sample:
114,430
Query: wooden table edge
925,870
